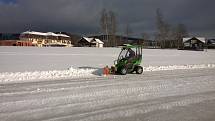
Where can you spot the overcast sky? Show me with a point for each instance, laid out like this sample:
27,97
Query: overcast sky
82,16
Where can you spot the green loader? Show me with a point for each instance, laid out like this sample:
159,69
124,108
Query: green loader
128,61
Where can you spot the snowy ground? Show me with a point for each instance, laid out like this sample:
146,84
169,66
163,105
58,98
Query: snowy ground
34,64
38,84
21,59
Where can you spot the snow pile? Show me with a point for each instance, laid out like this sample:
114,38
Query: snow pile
82,73
46,75
177,67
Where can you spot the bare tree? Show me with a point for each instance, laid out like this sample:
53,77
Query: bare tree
128,31
104,22
113,28
109,26
181,32
163,29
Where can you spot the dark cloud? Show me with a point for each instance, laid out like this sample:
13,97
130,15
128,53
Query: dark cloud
8,1
82,16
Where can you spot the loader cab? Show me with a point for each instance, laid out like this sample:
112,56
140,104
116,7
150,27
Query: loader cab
125,53
128,52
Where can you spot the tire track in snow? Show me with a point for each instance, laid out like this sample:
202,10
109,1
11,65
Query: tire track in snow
127,110
69,91
143,92
120,90
103,106
115,82
20,88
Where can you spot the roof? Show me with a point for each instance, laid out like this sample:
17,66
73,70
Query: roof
202,39
51,34
212,41
63,35
99,41
34,33
45,34
92,40
88,39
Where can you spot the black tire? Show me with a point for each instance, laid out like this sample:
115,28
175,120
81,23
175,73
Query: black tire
139,70
123,71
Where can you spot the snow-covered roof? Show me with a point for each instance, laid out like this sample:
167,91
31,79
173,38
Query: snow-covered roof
62,35
202,39
51,34
99,41
92,40
44,34
88,39
34,33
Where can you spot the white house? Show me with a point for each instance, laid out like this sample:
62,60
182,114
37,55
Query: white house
202,39
90,42
194,43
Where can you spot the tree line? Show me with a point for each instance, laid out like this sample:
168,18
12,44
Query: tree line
166,36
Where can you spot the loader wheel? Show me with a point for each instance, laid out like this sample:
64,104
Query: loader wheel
139,70
123,71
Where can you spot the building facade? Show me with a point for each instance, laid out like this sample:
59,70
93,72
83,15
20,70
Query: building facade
194,43
40,39
9,39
